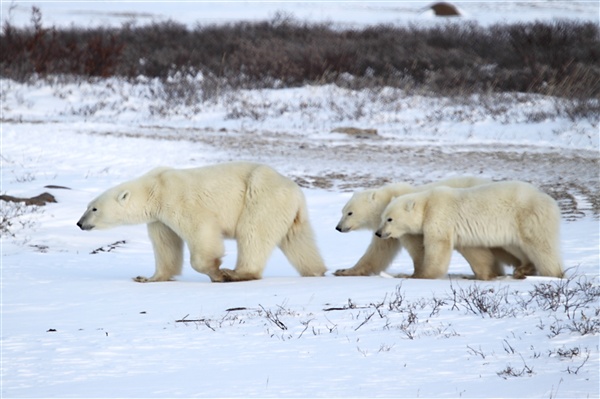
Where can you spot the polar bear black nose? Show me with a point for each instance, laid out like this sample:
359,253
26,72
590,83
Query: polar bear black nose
80,225
378,233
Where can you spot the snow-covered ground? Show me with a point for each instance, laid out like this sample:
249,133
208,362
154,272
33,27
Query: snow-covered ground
74,324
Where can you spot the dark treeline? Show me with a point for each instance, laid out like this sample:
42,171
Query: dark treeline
558,58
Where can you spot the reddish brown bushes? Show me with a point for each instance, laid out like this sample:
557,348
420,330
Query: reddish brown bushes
558,58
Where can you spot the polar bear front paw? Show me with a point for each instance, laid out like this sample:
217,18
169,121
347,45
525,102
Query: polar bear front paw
229,275
142,279
234,275
350,272
341,272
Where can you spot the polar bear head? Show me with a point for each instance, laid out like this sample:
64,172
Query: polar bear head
363,210
403,215
132,202
110,209
124,204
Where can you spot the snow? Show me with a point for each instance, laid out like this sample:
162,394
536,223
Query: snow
74,324
394,113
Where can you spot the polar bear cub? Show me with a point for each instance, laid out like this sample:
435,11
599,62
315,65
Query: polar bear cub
363,211
513,215
248,202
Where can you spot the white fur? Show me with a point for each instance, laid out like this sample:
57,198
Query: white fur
512,215
248,202
363,211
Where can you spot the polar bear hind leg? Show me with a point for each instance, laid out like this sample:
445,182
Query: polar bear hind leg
300,248
544,256
256,237
513,256
275,212
206,250
539,233
484,264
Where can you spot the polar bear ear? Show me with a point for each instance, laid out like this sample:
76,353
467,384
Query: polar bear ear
409,205
123,197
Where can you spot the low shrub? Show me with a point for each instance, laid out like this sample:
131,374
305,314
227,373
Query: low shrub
559,58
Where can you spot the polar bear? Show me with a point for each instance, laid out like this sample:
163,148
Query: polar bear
363,211
512,215
248,202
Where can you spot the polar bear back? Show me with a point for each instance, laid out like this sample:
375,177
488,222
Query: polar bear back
489,215
219,192
456,182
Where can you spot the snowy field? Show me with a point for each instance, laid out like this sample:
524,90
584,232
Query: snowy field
74,324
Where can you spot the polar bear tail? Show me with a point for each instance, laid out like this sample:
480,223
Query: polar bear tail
300,248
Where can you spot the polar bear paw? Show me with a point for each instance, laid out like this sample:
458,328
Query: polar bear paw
233,275
349,272
142,279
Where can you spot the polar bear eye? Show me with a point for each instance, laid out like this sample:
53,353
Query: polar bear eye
94,209
389,219
349,213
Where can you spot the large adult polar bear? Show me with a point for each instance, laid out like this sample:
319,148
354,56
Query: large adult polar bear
249,202
363,211
513,215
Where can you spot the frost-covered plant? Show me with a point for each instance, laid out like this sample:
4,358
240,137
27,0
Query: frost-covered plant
14,216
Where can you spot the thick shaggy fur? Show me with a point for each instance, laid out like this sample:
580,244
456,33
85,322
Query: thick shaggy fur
512,215
363,211
248,202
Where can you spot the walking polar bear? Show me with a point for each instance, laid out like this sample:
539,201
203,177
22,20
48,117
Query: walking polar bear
363,211
513,215
249,202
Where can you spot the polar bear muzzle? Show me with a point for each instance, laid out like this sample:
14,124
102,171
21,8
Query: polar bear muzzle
83,224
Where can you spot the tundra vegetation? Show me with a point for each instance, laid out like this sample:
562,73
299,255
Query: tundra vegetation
559,58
